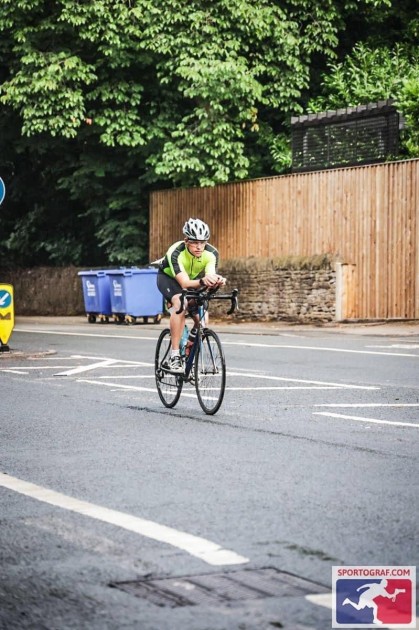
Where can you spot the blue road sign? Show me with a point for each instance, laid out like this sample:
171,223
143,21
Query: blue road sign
2,190
7,315
5,298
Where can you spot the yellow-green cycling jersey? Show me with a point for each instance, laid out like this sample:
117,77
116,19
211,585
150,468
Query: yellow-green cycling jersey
178,259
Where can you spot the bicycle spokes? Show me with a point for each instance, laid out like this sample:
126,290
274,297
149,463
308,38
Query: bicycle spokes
210,372
169,386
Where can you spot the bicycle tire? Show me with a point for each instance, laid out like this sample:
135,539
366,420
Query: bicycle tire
169,386
210,372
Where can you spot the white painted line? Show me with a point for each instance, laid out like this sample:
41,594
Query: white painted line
400,346
14,371
47,358
47,367
300,380
208,551
321,599
369,420
118,385
137,388
281,387
315,348
117,363
87,368
128,376
227,343
248,371
78,334
122,361
369,405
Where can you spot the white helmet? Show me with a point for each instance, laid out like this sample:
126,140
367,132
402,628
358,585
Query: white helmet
196,230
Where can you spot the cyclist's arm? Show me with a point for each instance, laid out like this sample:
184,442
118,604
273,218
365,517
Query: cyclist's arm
212,278
185,281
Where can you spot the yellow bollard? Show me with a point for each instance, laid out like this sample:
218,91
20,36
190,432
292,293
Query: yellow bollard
7,315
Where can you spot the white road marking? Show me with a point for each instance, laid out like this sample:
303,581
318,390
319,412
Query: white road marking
321,599
208,551
400,346
87,368
227,343
36,357
118,385
281,387
122,361
299,380
127,376
369,405
72,370
307,384
320,348
248,371
15,371
369,420
47,367
78,334
135,388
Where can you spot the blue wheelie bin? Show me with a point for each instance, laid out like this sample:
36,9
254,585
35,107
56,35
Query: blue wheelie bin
134,293
96,294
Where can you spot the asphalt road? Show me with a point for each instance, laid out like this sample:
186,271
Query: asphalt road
118,513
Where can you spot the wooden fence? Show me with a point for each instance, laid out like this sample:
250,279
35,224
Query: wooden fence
366,217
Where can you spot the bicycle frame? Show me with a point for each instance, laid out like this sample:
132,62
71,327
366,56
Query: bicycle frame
205,366
202,297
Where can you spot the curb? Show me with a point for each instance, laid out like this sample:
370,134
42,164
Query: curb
398,328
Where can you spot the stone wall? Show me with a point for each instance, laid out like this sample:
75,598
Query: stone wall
292,289
45,290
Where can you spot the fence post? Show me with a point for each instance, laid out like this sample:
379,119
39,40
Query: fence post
345,291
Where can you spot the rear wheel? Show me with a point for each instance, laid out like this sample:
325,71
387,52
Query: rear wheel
210,372
169,386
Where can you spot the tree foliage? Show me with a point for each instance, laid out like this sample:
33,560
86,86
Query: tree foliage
102,101
383,64
369,75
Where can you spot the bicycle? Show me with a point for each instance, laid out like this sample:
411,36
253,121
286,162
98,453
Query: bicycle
204,365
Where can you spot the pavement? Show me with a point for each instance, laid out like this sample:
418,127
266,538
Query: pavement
393,328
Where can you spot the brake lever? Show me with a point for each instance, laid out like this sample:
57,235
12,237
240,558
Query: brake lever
234,302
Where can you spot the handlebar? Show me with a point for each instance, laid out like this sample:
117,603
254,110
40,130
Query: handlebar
201,296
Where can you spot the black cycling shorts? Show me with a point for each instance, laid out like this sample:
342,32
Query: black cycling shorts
168,286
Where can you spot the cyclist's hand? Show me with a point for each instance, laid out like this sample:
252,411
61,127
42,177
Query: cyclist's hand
213,280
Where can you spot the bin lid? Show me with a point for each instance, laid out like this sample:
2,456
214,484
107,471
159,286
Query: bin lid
130,272
98,272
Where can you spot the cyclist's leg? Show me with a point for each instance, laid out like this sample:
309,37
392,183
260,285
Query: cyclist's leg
171,290
177,321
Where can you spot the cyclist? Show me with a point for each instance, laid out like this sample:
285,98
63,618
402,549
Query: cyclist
188,264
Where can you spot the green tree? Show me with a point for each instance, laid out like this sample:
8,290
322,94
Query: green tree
104,100
369,75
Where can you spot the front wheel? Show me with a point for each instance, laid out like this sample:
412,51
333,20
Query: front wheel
169,386
210,372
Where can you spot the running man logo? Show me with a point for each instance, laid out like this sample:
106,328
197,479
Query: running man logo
376,601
